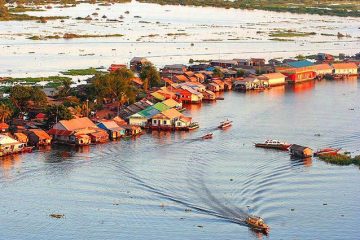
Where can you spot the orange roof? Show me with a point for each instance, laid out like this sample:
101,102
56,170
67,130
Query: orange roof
274,75
193,79
172,113
181,78
137,81
21,137
189,73
185,119
78,123
344,65
199,75
40,133
4,126
323,66
170,103
119,121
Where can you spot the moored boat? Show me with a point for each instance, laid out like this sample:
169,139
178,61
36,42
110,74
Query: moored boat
192,126
225,124
257,223
327,151
274,144
207,136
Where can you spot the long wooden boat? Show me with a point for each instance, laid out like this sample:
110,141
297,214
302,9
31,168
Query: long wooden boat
207,136
327,151
273,144
257,223
225,124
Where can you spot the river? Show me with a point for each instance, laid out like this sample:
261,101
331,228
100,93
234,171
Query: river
175,186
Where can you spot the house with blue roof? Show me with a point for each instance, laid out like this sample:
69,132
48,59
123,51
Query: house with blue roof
300,64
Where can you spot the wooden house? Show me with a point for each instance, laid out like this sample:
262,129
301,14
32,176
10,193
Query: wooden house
224,63
77,131
209,95
220,83
132,130
171,103
274,79
227,84
115,67
296,75
21,137
322,69
173,69
38,137
183,123
300,151
112,128
349,69
257,62
4,127
165,120
137,63
180,78
213,87
143,117
250,83
10,146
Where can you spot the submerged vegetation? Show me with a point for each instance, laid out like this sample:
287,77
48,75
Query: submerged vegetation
325,7
72,36
290,33
340,159
80,72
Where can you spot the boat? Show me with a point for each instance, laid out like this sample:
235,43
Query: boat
257,223
207,136
274,144
327,151
192,126
225,124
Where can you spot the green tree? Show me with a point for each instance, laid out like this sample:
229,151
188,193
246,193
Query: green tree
5,112
151,74
4,13
217,73
240,73
20,96
65,88
116,85
56,113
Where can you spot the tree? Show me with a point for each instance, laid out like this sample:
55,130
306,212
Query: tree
240,73
5,112
4,13
151,74
20,96
116,85
217,73
56,113
66,87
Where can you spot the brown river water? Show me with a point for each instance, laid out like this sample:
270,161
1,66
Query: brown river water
166,185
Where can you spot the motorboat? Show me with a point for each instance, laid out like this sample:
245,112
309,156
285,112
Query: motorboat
225,124
327,151
274,144
257,223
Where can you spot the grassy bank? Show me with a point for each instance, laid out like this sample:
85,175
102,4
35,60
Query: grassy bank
80,72
73,36
52,81
340,159
25,17
324,7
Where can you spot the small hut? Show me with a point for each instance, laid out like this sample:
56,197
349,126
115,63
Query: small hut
300,151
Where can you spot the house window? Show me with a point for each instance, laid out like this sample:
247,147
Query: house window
155,122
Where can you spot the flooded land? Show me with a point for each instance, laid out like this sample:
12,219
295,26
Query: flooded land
165,35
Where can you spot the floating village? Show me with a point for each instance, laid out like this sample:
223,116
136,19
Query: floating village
163,108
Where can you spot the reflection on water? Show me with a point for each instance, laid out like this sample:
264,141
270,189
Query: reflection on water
165,185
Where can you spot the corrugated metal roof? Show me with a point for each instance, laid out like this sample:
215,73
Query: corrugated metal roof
161,107
300,64
149,112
